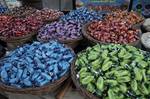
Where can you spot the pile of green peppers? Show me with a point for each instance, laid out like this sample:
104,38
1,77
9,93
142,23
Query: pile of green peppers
114,71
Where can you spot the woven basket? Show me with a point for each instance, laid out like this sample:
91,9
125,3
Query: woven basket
22,15
13,42
52,20
94,41
51,87
139,25
2,51
71,43
46,89
143,38
81,89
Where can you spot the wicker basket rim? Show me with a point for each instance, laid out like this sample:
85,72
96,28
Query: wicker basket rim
82,90
9,88
23,15
17,38
62,40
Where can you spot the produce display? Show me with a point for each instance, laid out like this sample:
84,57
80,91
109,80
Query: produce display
82,15
21,11
114,71
115,31
48,14
35,65
131,18
107,70
11,27
69,30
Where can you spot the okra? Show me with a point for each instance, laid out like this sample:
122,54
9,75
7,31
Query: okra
134,85
143,89
104,54
111,94
123,79
87,80
123,88
138,74
100,84
84,74
96,64
115,71
106,66
111,82
91,88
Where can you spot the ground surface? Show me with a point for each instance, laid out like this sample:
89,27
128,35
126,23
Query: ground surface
72,94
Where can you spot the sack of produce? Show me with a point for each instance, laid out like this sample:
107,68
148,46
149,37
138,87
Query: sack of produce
146,25
38,68
68,32
112,72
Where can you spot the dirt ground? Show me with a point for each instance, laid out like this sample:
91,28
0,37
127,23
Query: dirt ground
72,94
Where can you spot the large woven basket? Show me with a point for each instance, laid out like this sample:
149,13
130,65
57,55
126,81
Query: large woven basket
14,42
2,51
50,87
71,43
46,89
22,15
80,88
52,20
139,25
94,41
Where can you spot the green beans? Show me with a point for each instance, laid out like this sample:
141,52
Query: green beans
119,71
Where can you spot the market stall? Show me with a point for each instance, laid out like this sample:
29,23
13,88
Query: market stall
99,49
